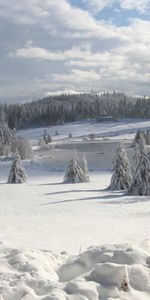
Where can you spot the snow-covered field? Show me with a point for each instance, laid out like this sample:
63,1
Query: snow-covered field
124,129
45,215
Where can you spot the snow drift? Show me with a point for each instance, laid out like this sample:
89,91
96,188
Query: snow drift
104,272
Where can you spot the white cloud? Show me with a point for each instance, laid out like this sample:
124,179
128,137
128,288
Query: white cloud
31,52
83,67
98,5
140,5
77,75
67,46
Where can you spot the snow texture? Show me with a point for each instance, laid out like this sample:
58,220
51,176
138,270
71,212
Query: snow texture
104,272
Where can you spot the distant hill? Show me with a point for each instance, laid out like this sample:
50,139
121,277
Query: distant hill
63,108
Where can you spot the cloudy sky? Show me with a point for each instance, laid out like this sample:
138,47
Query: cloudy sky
50,45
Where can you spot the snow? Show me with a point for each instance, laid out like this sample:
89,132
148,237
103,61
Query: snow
106,272
44,213
48,228
62,92
124,129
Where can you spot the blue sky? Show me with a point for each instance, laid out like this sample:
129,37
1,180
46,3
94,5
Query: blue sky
52,45
114,12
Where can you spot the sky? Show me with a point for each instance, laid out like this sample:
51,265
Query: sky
81,45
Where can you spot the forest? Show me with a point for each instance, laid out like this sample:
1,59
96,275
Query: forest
68,108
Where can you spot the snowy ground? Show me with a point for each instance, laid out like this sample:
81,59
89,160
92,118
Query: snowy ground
66,218
50,215
46,214
113,130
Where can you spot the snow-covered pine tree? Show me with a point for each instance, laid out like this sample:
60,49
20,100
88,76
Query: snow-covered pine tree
74,173
6,137
84,167
141,181
136,157
17,172
122,175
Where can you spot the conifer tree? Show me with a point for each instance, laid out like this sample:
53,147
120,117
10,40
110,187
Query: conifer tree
84,167
141,181
74,173
17,172
136,157
122,174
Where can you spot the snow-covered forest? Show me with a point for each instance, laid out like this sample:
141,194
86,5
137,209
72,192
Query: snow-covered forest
67,108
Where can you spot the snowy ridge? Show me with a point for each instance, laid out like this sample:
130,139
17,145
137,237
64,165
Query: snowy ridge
104,272
65,91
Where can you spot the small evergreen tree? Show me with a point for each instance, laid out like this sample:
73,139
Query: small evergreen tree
17,172
122,176
84,167
141,181
74,173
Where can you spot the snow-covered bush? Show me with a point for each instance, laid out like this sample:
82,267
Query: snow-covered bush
141,181
84,167
17,172
24,148
122,175
74,173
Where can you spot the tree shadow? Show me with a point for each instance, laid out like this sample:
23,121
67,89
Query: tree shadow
53,183
82,199
117,197
72,191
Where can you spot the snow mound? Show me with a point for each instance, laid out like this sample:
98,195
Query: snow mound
106,272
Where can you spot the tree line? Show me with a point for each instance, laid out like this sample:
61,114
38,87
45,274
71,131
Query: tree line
68,108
